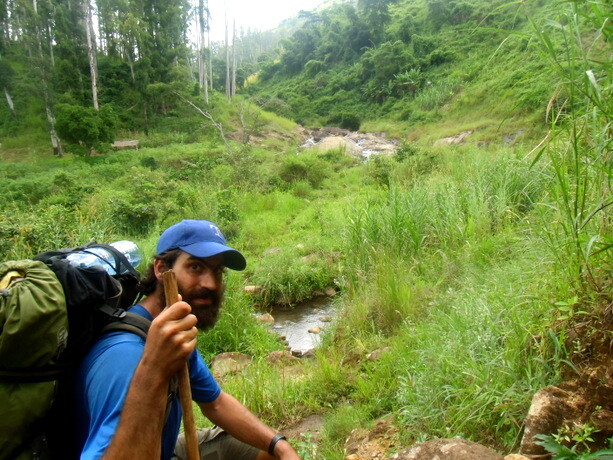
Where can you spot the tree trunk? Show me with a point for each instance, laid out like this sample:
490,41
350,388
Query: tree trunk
202,70
91,51
55,140
9,100
233,92
208,34
228,93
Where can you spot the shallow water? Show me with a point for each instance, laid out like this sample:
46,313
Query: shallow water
294,323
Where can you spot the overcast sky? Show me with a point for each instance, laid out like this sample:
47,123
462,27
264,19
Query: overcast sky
254,14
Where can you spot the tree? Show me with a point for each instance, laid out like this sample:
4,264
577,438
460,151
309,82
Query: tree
86,128
203,26
91,51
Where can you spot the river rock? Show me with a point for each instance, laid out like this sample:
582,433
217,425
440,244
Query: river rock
516,457
375,355
265,318
228,363
282,357
458,139
448,449
315,330
330,291
325,319
253,290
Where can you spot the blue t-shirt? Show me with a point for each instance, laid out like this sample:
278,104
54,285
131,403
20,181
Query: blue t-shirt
102,383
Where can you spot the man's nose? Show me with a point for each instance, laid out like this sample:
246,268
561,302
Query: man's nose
209,280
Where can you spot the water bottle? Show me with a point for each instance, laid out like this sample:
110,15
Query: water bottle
103,258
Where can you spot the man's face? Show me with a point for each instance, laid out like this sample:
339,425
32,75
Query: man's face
200,283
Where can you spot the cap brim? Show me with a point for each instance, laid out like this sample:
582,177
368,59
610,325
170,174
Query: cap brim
232,258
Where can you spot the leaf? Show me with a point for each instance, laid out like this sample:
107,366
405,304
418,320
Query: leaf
592,78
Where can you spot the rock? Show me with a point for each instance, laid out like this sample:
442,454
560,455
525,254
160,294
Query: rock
603,420
265,318
272,251
325,319
227,363
516,457
123,145
253,290
330,291
374,443
448,449
308,353
550,407
376,354
281,357
307,428
459,139
315,330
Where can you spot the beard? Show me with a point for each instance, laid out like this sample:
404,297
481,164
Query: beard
205,304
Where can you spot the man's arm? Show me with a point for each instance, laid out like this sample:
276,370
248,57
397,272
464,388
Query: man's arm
234,418
170,341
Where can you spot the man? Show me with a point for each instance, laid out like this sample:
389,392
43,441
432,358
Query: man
123,383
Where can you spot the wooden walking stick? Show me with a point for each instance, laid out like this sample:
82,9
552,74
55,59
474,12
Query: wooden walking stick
185,391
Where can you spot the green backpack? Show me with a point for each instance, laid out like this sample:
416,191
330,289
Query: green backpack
50,314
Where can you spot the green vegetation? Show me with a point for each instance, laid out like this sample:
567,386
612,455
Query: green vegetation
465,265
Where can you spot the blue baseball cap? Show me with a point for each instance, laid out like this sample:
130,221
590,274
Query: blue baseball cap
200,238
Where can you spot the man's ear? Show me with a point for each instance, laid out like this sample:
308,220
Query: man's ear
159,267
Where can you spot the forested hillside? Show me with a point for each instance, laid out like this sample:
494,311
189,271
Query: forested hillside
342,64
467,269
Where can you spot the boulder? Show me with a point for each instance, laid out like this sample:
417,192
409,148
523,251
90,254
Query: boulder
253,290
265,318
549,410
229,363
448,449
284,358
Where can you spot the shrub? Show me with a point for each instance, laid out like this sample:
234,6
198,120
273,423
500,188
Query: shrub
86,128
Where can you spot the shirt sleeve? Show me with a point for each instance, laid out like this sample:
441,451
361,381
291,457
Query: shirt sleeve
107,379
205,388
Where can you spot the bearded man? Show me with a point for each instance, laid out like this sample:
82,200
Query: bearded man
123,403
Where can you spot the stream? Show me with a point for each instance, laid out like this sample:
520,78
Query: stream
294,323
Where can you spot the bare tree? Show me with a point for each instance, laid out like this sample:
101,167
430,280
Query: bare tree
203,27
91,50
233,92
55,140
228,89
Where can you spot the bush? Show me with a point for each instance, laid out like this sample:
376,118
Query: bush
85,128
345,120
304,168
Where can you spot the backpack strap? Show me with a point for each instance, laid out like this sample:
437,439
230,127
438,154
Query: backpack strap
139,325
130,322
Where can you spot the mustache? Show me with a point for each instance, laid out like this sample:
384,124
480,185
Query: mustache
205,294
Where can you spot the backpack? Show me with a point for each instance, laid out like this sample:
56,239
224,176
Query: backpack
51,312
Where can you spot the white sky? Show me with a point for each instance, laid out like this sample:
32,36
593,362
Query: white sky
254,14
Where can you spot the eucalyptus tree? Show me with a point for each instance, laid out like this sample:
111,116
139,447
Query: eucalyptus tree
91,51
35,32
202,25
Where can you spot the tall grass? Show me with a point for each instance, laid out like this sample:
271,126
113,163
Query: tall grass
473,194
577,44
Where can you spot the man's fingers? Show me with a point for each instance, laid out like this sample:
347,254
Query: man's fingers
175,311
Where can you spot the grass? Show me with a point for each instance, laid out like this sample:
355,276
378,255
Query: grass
456,263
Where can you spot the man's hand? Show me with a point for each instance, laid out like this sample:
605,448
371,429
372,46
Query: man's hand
171,339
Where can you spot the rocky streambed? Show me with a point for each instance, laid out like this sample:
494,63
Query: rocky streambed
363,145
